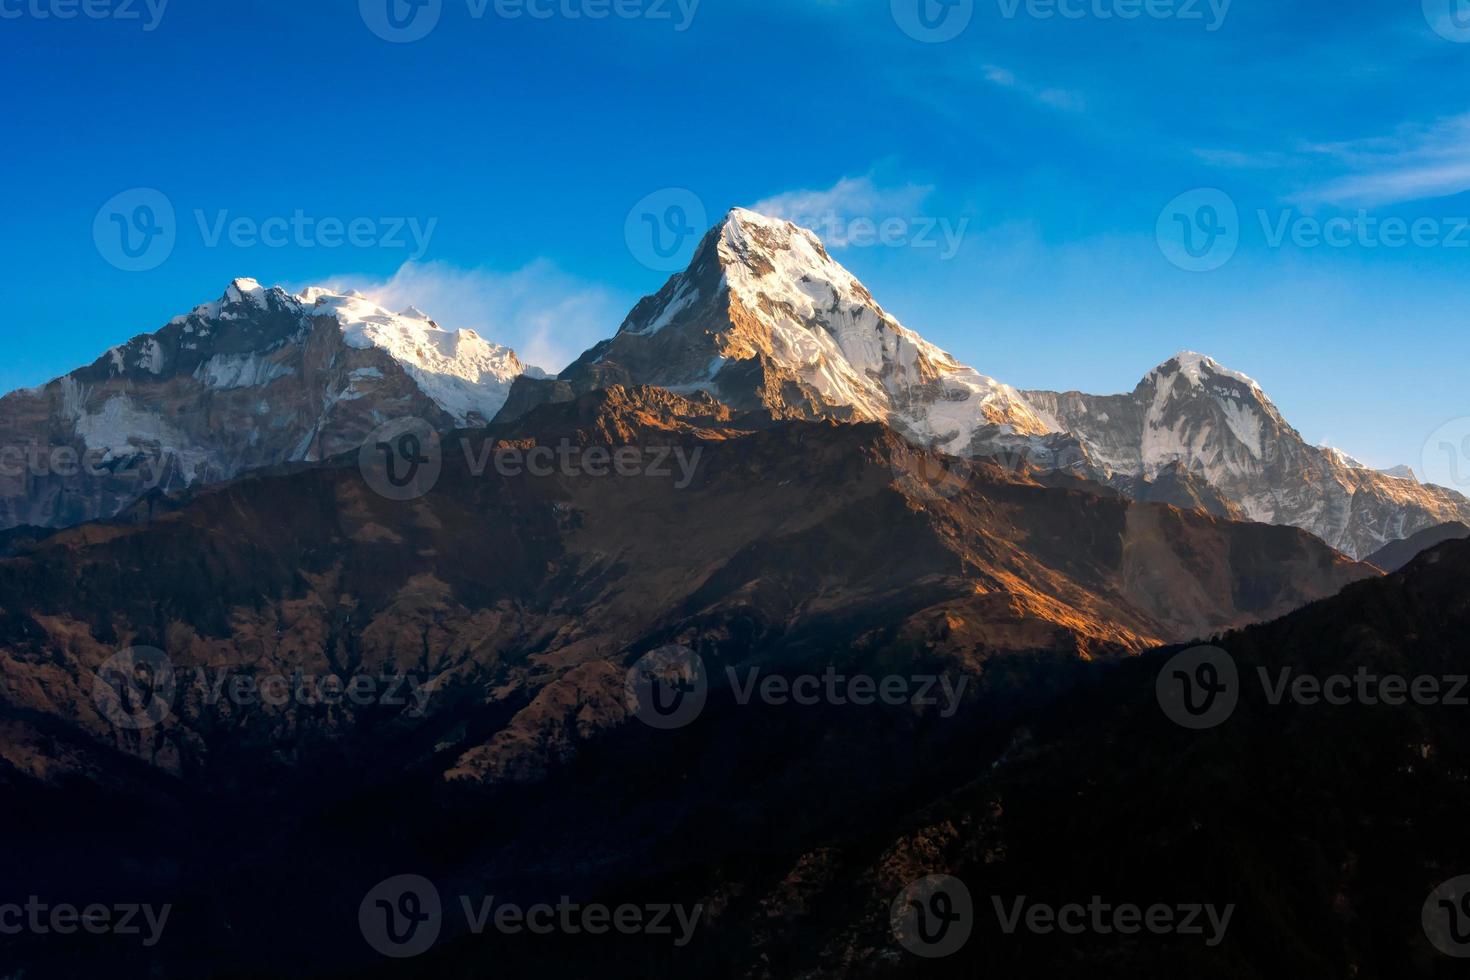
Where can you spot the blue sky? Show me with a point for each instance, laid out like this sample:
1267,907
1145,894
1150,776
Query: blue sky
1053,150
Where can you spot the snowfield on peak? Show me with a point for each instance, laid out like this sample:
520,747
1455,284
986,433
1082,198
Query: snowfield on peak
765,316
465,374
256,378
1194,416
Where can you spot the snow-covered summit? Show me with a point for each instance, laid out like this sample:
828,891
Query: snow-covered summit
464,374
1199,369
762,290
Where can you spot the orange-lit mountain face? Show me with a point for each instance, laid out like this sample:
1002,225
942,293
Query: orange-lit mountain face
491,622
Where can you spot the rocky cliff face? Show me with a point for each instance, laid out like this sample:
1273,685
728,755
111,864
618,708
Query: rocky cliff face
764,317
517,603
1191,417
258,378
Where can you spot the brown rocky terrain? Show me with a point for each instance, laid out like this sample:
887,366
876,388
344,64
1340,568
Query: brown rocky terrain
516,604
255,379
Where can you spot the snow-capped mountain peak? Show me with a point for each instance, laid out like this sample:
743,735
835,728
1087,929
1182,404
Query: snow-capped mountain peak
1199,369
258,377
1193,415
463,373
764,315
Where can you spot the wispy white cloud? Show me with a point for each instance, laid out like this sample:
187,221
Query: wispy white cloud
1415,163
831,211
1057,98
546,315
1240,160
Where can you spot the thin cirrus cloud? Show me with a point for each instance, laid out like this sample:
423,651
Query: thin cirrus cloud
1416,163
546,315
1057,98
831,211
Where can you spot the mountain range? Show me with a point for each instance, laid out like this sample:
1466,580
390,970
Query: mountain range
849,501
763,318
